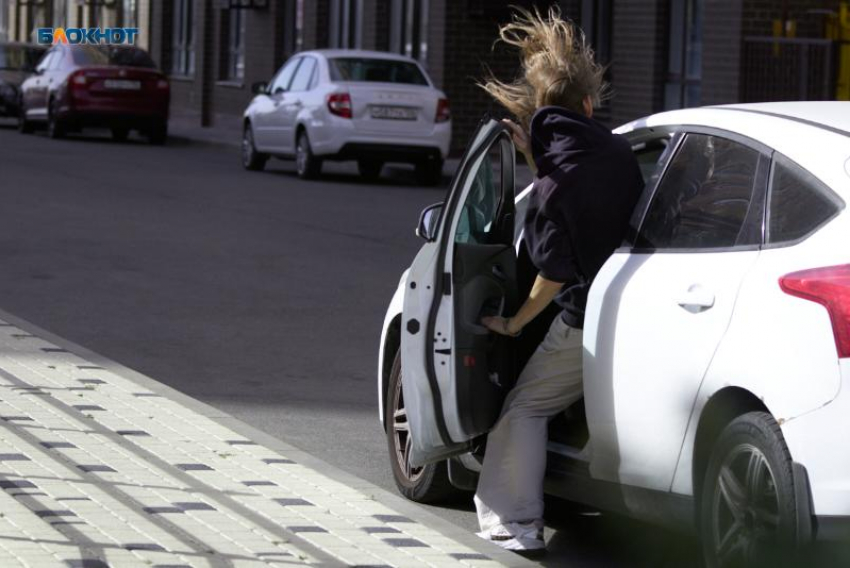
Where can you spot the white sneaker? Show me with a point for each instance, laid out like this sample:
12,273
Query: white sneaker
517,537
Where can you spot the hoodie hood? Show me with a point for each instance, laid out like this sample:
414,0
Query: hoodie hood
561,137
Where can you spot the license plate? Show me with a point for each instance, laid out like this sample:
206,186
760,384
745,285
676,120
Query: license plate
122,84
394,113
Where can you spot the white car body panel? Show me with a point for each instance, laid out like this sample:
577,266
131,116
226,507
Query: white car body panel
778,347
393,311
276,118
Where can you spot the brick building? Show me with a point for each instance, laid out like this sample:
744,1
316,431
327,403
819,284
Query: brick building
661,53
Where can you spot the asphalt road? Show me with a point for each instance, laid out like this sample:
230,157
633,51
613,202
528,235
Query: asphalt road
258,293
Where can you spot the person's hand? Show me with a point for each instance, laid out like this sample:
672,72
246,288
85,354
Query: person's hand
500,325
521,140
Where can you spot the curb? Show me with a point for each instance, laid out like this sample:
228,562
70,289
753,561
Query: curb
384,497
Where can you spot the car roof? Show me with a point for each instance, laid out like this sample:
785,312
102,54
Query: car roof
814,134
359,53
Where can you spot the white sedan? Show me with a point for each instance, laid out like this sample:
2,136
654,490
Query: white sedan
368,106
716,339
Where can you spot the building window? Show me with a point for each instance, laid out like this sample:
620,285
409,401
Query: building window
183,54
4,21
234,57
409,28
346,23
293,28
684,64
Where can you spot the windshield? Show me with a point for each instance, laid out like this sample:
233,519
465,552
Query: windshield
86,55
19,57
376,70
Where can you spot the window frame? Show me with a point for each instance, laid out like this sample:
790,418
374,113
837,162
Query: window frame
760,191
829,193
294,60
233,52
295,73
183,39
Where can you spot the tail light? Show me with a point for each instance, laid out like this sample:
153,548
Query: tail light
340,104
78,79
162,84
444,112
830,287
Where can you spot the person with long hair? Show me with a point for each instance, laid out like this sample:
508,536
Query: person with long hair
587,182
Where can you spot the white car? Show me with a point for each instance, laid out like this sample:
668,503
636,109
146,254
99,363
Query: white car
716,339
368,106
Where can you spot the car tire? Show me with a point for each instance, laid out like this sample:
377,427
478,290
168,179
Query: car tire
55,127
428,484
158,134
120,133
307,165
251,159
370,169
430,173
749,510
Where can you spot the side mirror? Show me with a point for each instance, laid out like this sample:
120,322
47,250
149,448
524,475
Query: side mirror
429,221
38,71
260,88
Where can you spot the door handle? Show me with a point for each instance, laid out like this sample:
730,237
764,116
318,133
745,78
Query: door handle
696,299
499,272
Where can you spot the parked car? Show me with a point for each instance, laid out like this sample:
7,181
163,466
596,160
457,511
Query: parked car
17,60
79,86
367,106
716,339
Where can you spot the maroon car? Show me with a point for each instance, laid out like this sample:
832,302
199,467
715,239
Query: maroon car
118,87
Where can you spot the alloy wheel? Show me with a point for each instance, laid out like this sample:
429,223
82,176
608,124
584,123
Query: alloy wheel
745,507
401,436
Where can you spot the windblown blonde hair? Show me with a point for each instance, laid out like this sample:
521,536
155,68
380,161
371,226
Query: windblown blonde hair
558,66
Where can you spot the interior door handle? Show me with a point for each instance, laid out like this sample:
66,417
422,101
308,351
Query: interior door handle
499,272
696,299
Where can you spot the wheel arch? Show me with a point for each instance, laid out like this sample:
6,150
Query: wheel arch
721,409
392,343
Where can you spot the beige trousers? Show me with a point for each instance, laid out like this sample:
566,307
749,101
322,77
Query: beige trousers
510,488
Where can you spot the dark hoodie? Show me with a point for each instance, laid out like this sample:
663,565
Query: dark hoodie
588,182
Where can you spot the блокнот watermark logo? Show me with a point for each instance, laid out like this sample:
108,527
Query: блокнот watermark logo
82,36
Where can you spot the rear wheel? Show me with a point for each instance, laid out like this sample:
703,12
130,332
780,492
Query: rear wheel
158,133
307,165
251,159
370,169
426,484
55,127
120,133
430,172
749,510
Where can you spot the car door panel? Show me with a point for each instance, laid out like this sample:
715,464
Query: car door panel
657,311
446,358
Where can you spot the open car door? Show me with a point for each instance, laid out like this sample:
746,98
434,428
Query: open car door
455,372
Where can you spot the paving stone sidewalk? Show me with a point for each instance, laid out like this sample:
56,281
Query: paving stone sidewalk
100,466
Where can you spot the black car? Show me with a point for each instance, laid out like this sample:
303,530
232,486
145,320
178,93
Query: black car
17,62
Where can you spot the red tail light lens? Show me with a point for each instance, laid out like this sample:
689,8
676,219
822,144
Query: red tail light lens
444,112
162,84
78,78
830,287
340,104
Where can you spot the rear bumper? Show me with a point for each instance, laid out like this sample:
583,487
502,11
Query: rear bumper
387,153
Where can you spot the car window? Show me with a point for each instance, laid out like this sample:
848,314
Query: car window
799,203
284,76
301,80
44,64
371,69
56,60
479,211
98,55
649,156
19,57
705,197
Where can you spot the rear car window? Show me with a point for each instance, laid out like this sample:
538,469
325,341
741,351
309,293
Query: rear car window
705,197
19,57
85,55
799,202
376,70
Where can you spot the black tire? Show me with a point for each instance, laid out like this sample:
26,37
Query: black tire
430,173
158,133
251,159
55,127
370,169
24,125
428,484
120,133
307,165
749,510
